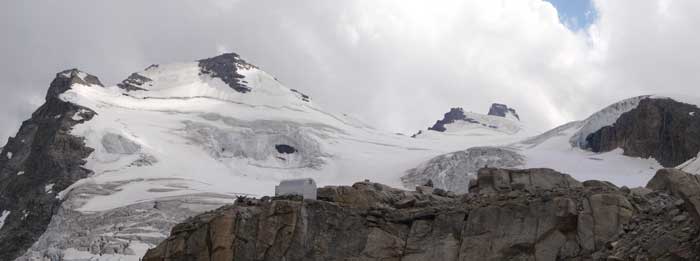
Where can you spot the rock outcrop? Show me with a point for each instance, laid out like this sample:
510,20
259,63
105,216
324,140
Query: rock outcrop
40,161
502,110
134,82
455,114
536,214
226,67
491,180
680,184
665,129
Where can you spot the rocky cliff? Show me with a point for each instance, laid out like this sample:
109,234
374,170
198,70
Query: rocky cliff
535,214
665,129
40,161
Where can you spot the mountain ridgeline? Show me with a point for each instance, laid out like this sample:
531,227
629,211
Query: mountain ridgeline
42,160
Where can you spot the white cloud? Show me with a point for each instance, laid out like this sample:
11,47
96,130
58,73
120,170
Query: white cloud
405,62
642,47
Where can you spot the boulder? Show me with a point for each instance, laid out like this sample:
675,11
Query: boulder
683,185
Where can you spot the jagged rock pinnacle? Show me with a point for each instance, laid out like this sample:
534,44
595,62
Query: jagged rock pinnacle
225,67
65,79
502,110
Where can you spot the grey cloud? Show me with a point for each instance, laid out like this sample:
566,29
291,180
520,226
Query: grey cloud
397,64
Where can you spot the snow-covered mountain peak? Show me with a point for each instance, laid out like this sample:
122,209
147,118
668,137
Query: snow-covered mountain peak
502,110
501,120
65,79
226,77
227,67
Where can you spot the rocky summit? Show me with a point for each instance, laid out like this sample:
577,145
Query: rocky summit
532,214
39,162
664,129
502,110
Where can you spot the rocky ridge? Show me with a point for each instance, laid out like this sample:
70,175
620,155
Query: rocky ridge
458,114
40,161
664,129
225,67
455,114
535,214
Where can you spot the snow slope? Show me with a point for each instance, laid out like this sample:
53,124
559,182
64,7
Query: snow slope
554,150
564,148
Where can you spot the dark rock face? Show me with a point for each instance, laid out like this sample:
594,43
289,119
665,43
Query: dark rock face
455,114
285,149
40,161
538,220
225,67
304,97
66,78
135,82
501,110
667,130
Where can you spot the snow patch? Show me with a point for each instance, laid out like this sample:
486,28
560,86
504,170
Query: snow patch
20,173
4,215
49,188
77,117
9,155
691,166
82,75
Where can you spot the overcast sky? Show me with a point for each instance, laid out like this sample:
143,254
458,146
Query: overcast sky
397,64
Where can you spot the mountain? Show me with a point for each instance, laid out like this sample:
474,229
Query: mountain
625,143
486,134
105,171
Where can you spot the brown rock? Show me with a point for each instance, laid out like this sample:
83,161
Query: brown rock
490,180
541,218
683,185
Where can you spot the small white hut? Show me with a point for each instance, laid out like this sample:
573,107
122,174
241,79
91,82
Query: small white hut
303,187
